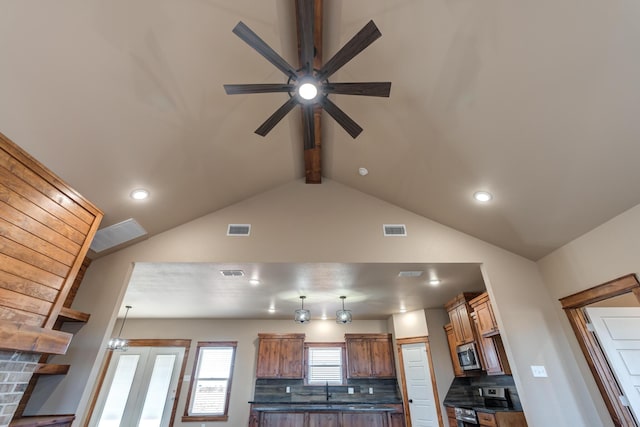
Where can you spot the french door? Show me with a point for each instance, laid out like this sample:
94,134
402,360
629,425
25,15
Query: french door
139,388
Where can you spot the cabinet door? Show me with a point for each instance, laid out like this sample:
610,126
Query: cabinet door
456,325
451,339
358,358
488,420
382,365
324,419
491,361
396,420
268,365
279,419
291,358
359,419
486,320
466,330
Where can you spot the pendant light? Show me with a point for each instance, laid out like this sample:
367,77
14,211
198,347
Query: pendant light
343,316
120,344
302,315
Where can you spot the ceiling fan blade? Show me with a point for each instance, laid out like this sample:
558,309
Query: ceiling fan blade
308,127
253,40
381,89
306,27
367,35
257,88
266,127
341,117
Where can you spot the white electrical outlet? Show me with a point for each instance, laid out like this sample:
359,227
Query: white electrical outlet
288,389
539,371
370,390
350,390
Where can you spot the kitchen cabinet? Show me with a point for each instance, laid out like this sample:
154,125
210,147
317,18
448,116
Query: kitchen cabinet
459,310
502,419
481,306
369,356
324,419
280,356
364,419
490,346
396,419
451,340
282,419
451,416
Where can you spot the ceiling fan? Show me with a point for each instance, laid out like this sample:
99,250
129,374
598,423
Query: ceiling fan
307,86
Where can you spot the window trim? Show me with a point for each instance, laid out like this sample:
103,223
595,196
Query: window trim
341,345
225,416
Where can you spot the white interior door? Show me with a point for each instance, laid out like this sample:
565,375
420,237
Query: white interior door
139,389
618,331
422,405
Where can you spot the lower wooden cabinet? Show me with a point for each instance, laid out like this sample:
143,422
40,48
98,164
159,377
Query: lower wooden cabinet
451,417
282,419
324,419
502,419
368,419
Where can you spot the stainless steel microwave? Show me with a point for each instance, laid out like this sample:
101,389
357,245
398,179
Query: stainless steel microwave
468,357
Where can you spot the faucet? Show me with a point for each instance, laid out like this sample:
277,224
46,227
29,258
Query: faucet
326,390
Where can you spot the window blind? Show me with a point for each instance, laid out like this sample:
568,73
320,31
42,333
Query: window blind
324,365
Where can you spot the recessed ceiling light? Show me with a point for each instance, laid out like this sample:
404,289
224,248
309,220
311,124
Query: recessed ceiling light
254,282
324,317
482,196
272,309
139,194
363,171
434,282
403,310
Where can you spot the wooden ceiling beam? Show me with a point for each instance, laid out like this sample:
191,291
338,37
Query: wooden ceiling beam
312,157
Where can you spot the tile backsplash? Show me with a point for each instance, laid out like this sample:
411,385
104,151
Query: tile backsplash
275,391
464,391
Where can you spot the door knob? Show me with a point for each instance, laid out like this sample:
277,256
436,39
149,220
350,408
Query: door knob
410,400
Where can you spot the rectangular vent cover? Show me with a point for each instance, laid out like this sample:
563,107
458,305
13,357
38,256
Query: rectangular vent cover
394,229
232,273
239,229
117,234
417,273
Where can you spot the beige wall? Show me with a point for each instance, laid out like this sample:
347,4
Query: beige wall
605,253
332,223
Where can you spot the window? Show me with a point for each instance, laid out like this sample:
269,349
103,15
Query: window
208,398
325,363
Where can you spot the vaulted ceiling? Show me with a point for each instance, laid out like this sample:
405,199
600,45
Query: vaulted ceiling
534,101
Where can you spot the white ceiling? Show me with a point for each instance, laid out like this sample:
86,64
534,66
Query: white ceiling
534,101
373,290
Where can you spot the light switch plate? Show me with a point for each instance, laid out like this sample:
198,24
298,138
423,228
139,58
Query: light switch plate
350,390
288,389
539,371
370,390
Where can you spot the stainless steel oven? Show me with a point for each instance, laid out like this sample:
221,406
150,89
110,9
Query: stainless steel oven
468,357
466,417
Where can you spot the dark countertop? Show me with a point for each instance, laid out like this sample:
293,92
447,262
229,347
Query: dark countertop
480,408
324,406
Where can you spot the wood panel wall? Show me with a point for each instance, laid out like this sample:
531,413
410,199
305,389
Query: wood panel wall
46,228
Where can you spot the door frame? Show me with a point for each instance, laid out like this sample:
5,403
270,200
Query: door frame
186,344
405,402
574,305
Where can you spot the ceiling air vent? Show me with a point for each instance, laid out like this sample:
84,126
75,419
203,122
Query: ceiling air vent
232,273
416,273
117,234
394,229
239,229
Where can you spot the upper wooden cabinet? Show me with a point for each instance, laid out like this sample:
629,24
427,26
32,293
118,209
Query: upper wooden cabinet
280,356
451,340
486,321
369,356
47,228
459,310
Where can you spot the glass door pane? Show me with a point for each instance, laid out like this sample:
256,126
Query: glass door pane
158,391
116,400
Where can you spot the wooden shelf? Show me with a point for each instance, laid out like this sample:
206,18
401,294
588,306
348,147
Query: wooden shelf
70,315
51,369
43,420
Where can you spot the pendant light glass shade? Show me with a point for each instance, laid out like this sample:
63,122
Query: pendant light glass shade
302,315
343,316
119,344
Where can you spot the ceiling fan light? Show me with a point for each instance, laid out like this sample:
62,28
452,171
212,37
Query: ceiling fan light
308,91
